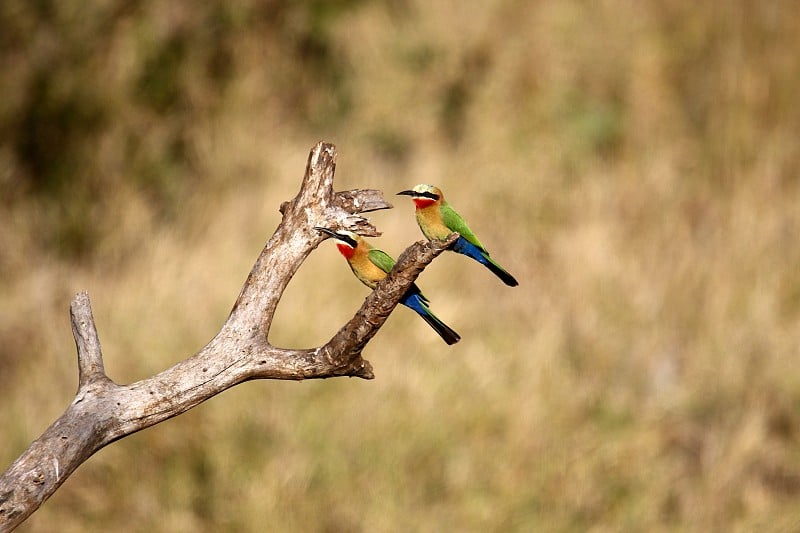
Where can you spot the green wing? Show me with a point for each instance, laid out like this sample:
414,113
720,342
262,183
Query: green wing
454,221
381,259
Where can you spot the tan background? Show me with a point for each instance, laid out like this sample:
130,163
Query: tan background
633,164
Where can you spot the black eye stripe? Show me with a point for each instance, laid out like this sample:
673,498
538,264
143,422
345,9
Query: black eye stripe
430,195
348,239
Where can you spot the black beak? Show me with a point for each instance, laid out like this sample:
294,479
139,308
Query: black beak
327,231
338,236
407,193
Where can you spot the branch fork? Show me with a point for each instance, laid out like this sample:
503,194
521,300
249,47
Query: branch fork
104,411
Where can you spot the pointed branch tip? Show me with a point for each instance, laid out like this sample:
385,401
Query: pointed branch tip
87,342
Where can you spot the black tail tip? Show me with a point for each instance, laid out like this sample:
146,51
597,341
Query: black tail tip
504,276
451,340
447,333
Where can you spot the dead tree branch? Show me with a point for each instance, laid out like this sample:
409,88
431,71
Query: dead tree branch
104,411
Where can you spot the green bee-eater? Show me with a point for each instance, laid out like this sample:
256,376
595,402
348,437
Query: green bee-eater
437,220
371,265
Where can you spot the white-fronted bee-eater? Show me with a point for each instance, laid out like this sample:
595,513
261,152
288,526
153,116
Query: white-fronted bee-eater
437,220
371,265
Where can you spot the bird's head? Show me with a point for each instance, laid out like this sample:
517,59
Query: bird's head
424,195
346,241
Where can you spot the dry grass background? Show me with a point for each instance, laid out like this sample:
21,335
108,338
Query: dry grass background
634,164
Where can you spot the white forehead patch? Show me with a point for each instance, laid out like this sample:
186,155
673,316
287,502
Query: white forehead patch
422,187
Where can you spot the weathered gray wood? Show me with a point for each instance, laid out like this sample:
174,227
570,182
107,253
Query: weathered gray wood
103,411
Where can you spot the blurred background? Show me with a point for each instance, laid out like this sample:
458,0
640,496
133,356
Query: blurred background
633,164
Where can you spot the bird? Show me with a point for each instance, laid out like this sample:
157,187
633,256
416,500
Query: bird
370,265
437,220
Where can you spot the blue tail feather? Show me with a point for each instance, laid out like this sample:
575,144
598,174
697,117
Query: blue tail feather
417,303
463,246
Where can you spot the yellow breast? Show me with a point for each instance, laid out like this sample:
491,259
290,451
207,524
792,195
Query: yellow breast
365,270
431,224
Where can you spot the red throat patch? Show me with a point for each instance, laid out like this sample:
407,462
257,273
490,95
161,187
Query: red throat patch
422,203
345,250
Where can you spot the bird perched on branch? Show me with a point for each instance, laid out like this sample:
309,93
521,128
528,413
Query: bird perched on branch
437,220
371,265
